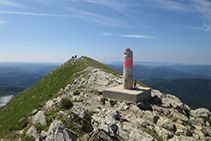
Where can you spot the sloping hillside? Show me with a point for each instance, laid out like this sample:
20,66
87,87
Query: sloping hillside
68,105
193,91
46,89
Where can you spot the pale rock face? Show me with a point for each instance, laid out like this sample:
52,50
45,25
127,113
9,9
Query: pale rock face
59,132
123,134
109,128
200,121
166,123
49,104
99,135
139,135
157,93
39,118
79,111
43,135
182,138
200,112
32,132
53,102
182,130
171,101
163,132
97,78
34,111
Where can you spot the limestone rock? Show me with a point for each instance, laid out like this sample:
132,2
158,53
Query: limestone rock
171,101
59,132
167,124
124,135
79,111
182,130
53,102
163,133
182,138
19,132
39,118
200,112
127,126
101,135
206,131
123,106
116,115
43,135
77,98
200,121
158,94
32,132
109,127
180,118
144,105
139,135
34,111
49,104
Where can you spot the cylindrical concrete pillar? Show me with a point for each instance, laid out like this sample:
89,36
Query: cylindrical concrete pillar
128,69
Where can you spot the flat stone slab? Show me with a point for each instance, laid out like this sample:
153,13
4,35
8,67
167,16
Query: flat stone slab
134,95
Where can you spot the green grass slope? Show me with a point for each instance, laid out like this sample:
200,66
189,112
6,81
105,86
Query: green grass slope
47,88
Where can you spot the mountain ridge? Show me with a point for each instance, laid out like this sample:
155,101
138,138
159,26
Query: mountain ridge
67,104
61,77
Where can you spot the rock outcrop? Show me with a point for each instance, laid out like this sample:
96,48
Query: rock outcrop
39,118
163,117
59,132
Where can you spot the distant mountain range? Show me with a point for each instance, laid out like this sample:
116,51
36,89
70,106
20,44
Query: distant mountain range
191,83
68,104
193,91
16,77
141,72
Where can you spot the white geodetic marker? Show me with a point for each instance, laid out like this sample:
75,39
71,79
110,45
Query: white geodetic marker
128,69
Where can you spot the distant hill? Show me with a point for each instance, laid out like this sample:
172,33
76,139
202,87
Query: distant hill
195,92
141,72
10,89
19,76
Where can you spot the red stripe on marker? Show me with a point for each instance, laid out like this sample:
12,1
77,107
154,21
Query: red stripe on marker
129,63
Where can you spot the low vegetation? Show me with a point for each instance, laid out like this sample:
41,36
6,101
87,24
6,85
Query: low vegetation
47,88
66,103
153,134
77,92
103,100
113,102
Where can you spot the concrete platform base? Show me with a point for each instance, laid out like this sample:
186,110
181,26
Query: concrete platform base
134,95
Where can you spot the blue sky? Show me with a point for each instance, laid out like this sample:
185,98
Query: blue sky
156,30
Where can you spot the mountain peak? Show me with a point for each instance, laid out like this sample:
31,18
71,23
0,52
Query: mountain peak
68,104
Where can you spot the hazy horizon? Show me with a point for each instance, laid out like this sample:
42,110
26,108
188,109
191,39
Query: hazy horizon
114,62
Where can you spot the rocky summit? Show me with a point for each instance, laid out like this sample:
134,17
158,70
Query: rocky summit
78,111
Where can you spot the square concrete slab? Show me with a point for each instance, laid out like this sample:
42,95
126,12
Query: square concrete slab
134,95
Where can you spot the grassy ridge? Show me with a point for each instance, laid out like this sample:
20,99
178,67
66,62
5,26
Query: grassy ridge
37,95
47,88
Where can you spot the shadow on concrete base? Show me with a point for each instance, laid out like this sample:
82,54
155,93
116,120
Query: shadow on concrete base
134,95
